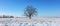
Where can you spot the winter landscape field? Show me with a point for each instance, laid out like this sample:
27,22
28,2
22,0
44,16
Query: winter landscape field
29,22
29,12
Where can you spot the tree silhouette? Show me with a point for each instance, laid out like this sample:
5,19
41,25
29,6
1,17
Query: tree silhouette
30,11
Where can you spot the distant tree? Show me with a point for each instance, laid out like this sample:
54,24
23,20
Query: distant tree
0,17
30,11
4,16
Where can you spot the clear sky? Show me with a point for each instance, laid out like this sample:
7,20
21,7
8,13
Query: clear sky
16,7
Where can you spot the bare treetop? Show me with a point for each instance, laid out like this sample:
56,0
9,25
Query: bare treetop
30,11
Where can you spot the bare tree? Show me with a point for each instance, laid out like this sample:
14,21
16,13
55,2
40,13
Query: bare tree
30,11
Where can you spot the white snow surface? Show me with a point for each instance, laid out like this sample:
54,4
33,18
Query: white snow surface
30,24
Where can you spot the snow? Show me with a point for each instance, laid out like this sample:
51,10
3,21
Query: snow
30,24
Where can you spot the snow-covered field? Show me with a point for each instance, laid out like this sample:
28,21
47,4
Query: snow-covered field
28,22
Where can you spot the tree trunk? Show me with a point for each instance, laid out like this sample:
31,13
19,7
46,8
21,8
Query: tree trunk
29,17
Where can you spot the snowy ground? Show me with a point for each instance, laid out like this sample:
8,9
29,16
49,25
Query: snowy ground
30,24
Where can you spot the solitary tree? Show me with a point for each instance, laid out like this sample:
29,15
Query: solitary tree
30,11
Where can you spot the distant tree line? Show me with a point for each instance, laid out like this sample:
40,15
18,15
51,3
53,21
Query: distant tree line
4,16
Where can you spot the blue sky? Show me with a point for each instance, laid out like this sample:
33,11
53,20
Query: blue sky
16,7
